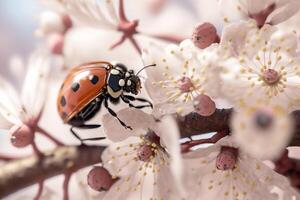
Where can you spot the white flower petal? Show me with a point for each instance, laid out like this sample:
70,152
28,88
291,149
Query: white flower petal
35,84
232,10
118,158
88,12
169,134
10,106
285,9
135,118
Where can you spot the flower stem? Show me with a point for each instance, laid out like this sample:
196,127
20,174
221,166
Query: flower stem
185,147
49,136
40,190
36,149
66,185
7,158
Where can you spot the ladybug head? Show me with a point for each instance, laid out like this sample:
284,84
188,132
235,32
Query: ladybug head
132,83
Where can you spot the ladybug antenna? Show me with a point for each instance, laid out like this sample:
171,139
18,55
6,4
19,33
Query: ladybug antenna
153,65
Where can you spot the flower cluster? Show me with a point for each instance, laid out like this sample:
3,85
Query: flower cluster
251,63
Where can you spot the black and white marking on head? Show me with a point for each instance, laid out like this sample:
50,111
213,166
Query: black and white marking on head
115,72
94,79
128,83
75,87
121,82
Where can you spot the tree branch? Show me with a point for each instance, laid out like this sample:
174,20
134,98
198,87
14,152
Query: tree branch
18,174
195,124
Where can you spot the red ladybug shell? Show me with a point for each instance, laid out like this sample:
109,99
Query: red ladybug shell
82,85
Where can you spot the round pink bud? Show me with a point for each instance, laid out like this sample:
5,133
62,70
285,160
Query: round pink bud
50,22
227,158
21,136
270,76
157,5
204,105
67,21
100,179
204,35
185,84
145,153
55,43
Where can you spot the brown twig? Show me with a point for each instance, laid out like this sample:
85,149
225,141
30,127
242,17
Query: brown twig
18,174
40,190
7,158
290,168
49,136
66,185
185,147
194,124
36,150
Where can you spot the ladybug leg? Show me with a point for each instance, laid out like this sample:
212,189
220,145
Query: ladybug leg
86,126
91,109
113,113
131,105
132,98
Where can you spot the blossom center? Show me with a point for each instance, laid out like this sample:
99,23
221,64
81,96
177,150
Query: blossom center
263,119
270,76
185,84
145,153
227,158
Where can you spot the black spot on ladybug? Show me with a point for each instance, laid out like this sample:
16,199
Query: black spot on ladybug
64,115
63,101
75,87
94,79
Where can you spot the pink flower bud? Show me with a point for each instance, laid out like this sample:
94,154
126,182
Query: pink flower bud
67,21
227,158
204,105
50,22
55,43
100,179
21,136
204,35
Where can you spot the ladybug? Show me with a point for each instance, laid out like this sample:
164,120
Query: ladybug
90,85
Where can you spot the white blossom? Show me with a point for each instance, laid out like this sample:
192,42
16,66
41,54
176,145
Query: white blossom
181,74
147,162
248,179
26,108
260,65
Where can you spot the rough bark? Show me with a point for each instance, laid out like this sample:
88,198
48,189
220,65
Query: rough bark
20,173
